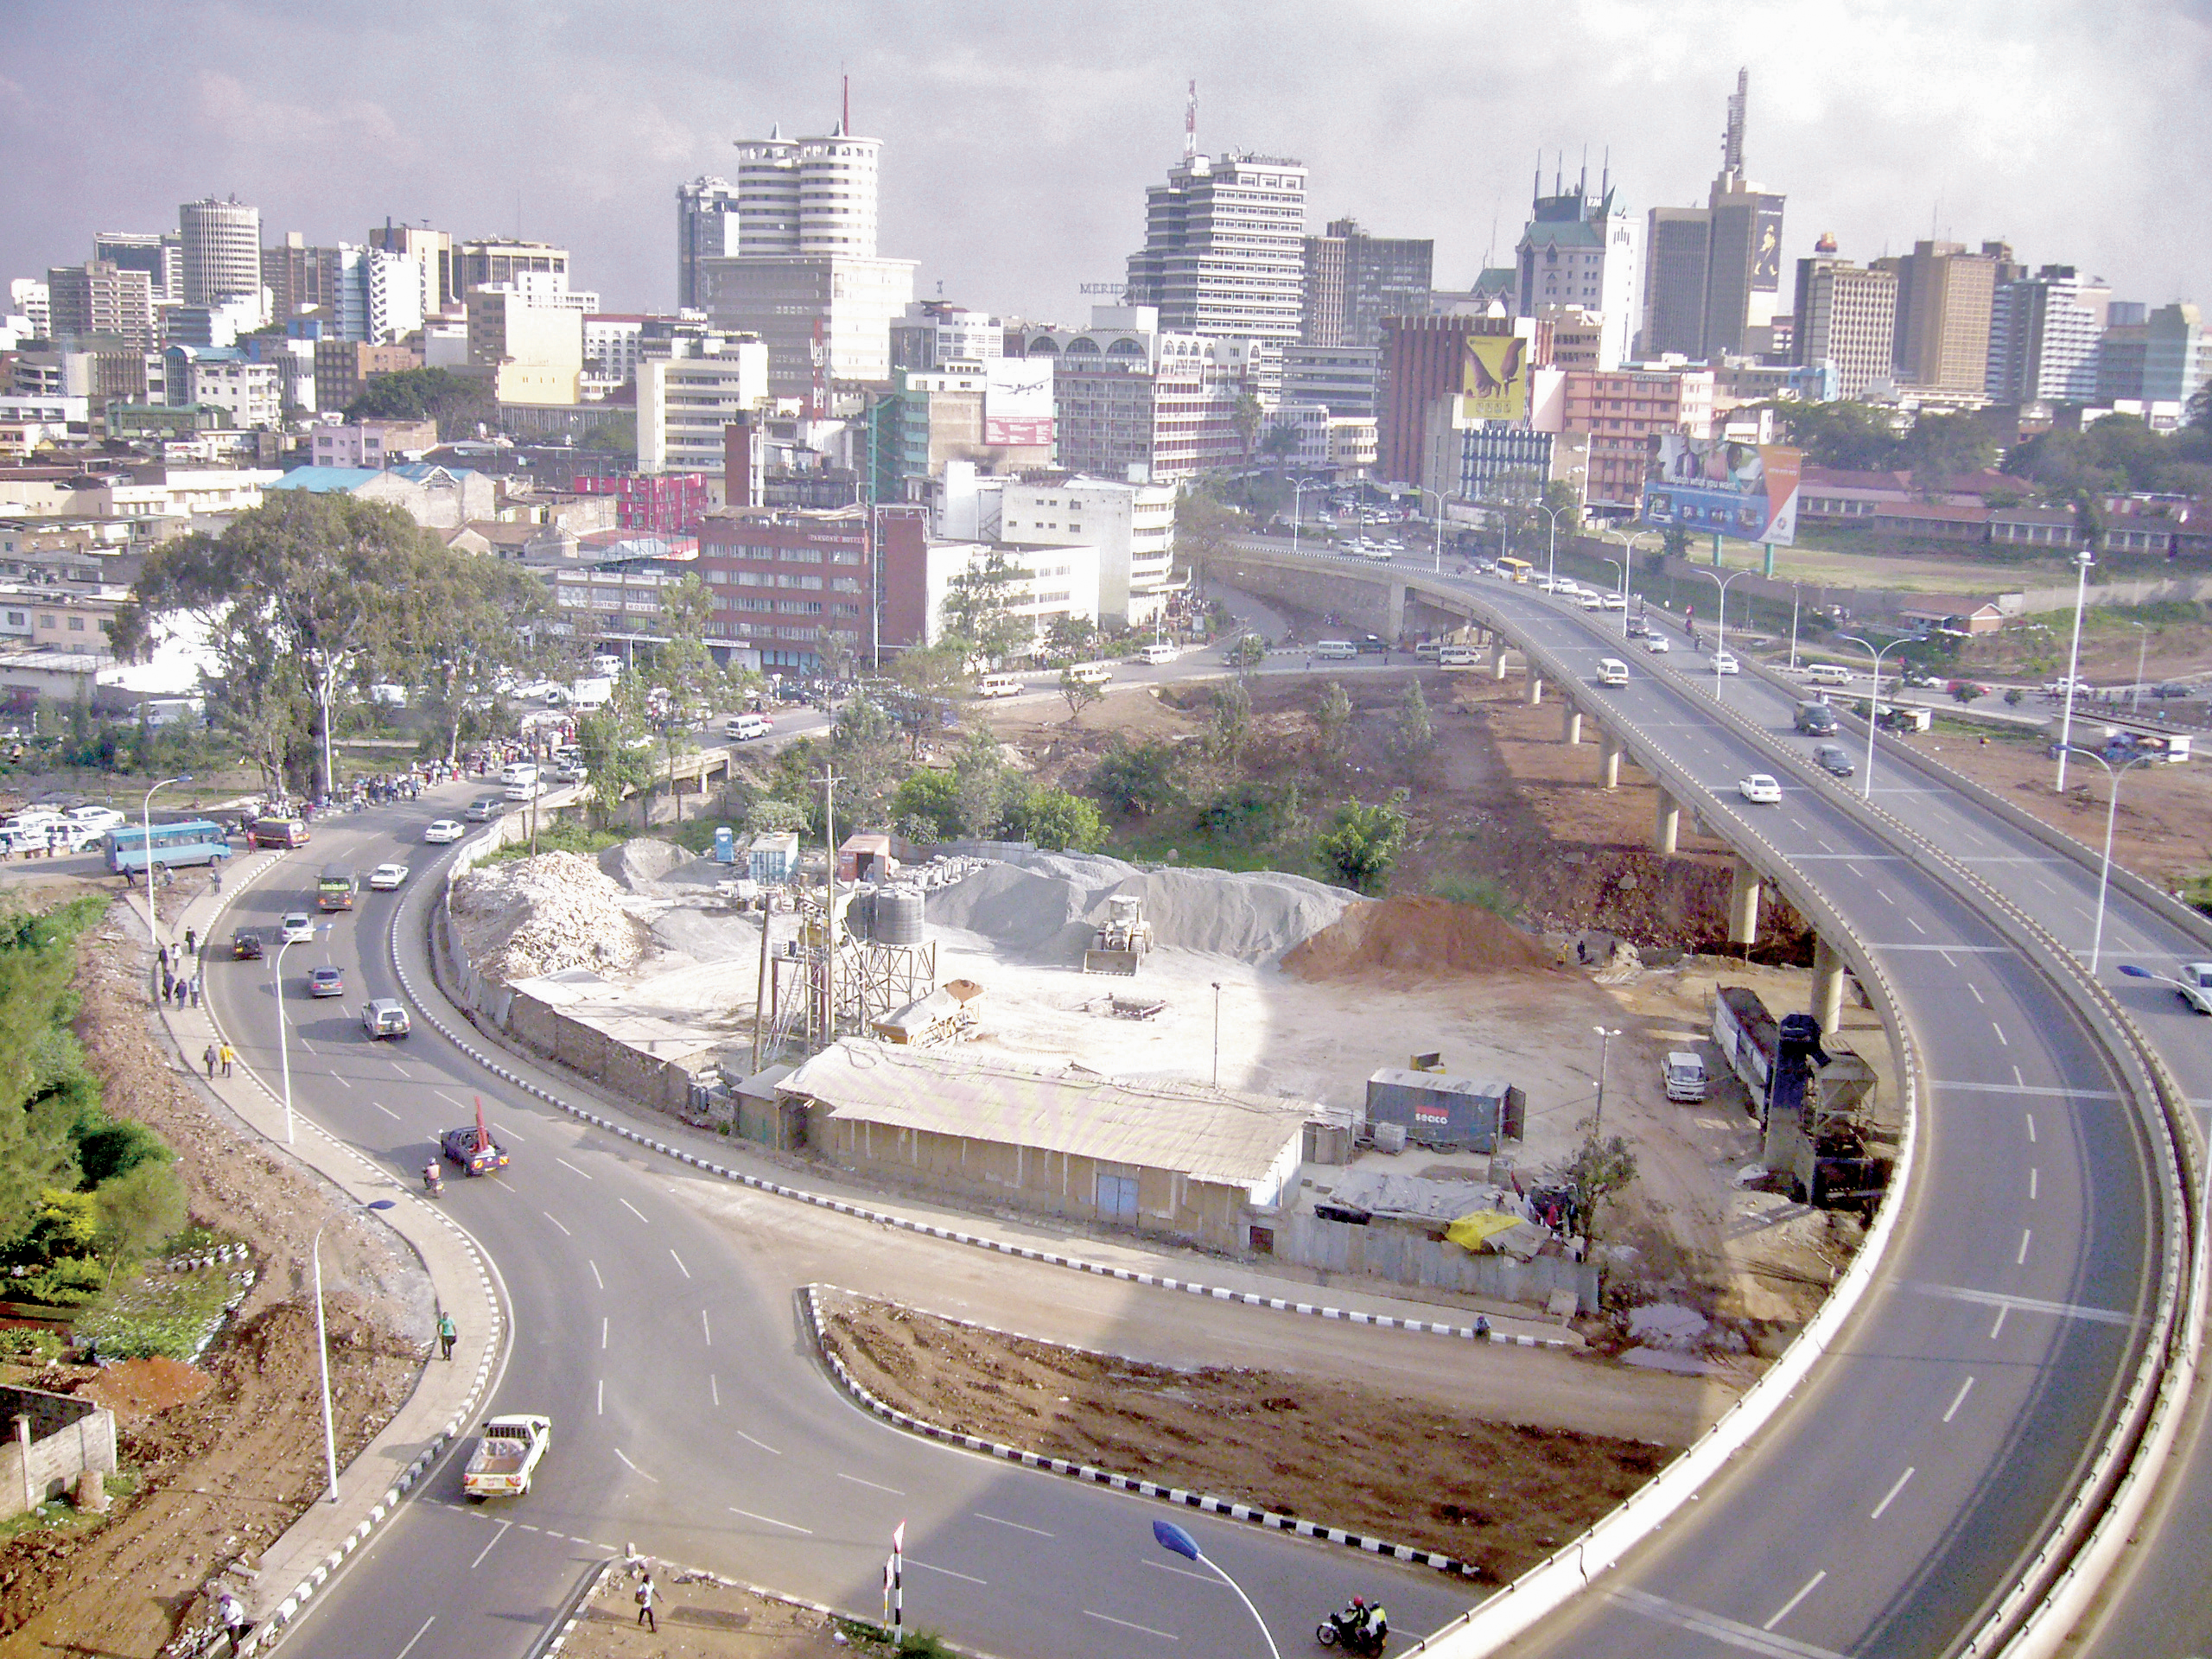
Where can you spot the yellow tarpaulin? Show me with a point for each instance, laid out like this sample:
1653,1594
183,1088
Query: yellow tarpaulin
1475,1229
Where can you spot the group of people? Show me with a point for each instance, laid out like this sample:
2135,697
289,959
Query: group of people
180,983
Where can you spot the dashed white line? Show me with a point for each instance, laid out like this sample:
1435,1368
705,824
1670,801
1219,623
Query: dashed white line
549,1216
1790,1605
633,1210
343,1078
385,1109
2034,1179
1000,1520
2001,1037
596,1279
681,1269
870,1484
2027,1233
487,1549
505,1134
566,1165
1959,1398
1999,1324
604,1322
419,1635
770,1520
601,1407
1976,991
947,1571
2031,1116
706,1329
461,1105
1144,1630
714,1388
1891,1496
763,1444
1916,926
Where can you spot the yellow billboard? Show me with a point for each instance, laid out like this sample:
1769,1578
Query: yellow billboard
1494,378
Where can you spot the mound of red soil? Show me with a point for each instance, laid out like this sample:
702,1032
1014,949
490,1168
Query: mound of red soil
1424,937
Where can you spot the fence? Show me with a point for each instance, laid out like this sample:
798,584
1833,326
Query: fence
1408,1257
67,1436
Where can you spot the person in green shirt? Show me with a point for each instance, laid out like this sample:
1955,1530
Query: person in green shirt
448,1335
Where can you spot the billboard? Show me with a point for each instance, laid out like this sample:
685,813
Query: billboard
1709,486
1493,379
1766,246
1018,401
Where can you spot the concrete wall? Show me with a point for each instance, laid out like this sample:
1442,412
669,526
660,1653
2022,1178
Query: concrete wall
1169,1204
1408,1257
663,1081
69,1436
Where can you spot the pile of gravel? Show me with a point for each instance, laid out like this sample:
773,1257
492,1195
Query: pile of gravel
532,915
1047,905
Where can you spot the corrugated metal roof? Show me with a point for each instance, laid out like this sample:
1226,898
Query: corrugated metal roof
1216,1134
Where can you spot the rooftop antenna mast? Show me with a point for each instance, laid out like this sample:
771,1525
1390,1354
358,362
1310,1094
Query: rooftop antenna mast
1191,126
845,121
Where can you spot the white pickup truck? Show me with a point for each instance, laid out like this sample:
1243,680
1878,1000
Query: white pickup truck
507,1456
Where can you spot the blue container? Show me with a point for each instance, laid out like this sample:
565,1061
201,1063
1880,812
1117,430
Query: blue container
725,845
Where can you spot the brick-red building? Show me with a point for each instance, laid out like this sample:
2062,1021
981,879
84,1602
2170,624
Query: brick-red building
672,504
784,578
1421,362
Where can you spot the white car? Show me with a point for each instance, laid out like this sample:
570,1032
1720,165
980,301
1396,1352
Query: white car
2194,985
97,820
386,877
1723,662
1760,790
1594,602
1656,644
443,830
297,928
1615,602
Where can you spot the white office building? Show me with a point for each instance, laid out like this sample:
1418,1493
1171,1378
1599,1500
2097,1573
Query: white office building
1224,249
807,195
221,249
684,403
1044,584
2044,334
1130,527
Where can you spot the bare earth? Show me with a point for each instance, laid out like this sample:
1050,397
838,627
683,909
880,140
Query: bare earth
1501,1499
703,1617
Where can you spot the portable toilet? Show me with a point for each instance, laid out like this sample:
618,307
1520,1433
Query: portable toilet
725,844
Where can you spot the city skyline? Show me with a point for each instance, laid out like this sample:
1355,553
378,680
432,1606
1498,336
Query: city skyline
1016,154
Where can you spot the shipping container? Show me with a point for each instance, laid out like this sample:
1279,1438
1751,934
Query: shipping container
1440,1111
1746,1036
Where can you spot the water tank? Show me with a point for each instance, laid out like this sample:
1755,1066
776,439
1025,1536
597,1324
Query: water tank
898,917
860,913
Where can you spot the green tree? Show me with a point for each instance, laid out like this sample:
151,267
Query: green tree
456,627
137,1209
682,671
1228,729
1362,844
771,816
1599,1168
864,747
1059,822
1965,690
616,436
1205,532
979,612
620,765
1070,635
1279,442
931,797
935,673
1332,724
1415,735
1079,692
457,402
1247,654
1143,778
1246,418
979,782
1852,436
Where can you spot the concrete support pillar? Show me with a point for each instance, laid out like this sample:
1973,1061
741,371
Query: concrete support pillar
1570,723
1828,984
1744,890
1668,830
1393,616
1609,761
1536,688
1498,656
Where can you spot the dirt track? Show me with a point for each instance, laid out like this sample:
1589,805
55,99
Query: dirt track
1496,1495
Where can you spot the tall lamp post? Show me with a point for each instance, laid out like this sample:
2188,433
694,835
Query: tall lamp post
146,846
1604,1047
2104,872
1551,557
1216,1034
2073,669
2142,655
1720,620
1439,525
1172,1539
1796,592
1628,539
322,1345
283,1029
1298,489
1874,698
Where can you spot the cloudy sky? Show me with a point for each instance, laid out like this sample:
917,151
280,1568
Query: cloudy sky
1019,138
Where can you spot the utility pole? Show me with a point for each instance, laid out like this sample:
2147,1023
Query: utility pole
828,782
760,990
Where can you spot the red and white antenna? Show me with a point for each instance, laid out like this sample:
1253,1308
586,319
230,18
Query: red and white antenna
1191,126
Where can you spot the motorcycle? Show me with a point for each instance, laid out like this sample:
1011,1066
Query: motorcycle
1349,1631
434,1183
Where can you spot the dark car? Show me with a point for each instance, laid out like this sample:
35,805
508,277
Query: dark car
325,982
474,1151
1830,757
246,944
1637,627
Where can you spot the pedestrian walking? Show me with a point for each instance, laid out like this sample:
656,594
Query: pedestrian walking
211,1056
169,980
162,956
182,989
448,1335
231,1612
191,941
230,1055
646,1604
195,988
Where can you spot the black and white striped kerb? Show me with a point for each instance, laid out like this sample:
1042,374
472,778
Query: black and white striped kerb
1084,1471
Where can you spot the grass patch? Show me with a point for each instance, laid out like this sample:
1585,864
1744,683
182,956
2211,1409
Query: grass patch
1191,849
1483,892
60,1515
559,835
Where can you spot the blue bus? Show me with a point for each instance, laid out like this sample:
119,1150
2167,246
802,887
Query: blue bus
196,841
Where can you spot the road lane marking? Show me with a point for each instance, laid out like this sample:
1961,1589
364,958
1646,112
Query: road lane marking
714,1388
1888,1498
2001,1037
947,1571
601,1407
2025,1304
1915,925
1698,1621
1184,1573
1959,1398
487,1549
633,1467
681,1269
402,1072
418,1635
2034,1180
566,1165
2018,1081
604,1321
548,1216
1963,950
1790,1605
2031,1116
594,1265
1144,1630
633,1210
461,1105
2016,1088
999,1521
1976,991
771,1450
342,1078
706,1329
1883,893
385,1109
502,1131
871,1486
1998,1324
2027,1233
770,1520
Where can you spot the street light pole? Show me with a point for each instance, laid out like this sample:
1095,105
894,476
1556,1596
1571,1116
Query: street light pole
322,1349
1216,1034
1796,591
1551,558
1419,492
2142,653
1721,621
2104,872
1874,699
146,829
2073,669
1177,1542
1604,1046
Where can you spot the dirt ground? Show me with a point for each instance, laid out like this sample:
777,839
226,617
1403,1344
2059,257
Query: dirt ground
703,1617
224,1462
1503,1499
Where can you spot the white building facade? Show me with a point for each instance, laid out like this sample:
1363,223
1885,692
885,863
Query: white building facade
684,403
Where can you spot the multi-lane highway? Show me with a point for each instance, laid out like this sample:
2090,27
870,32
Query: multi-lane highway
1884,1514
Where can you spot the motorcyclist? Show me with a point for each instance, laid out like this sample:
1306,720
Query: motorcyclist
1378,1625
431,1179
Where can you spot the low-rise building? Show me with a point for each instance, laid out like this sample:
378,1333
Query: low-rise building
437,497
1041,584
225,377
790,583
371,444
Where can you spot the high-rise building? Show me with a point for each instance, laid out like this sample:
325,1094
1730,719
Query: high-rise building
1618,412
1424,361
934,332
705,228
221,247
501,260
1224,248
1341,378
1354,280
1132,400
536,352
1721,264
159,254
1846,316
2162,356
1944,295
1580,250
431,251
684,403
378,295
97,298
2042,338
298,278
807,195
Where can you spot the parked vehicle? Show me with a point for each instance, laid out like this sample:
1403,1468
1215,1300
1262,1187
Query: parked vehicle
97,820
1335,651
1684,1076
507,1456
1456,657
1157,655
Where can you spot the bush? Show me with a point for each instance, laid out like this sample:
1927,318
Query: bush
1359,848
1142,777
1058,821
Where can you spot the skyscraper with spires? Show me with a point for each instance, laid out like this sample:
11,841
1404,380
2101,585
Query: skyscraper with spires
1713,275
